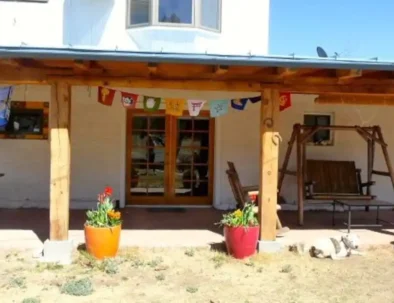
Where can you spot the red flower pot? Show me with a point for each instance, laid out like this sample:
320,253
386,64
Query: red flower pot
241,242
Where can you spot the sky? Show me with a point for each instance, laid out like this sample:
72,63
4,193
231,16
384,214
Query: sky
359,29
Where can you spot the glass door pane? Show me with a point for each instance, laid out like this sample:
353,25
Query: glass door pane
148,143
192,157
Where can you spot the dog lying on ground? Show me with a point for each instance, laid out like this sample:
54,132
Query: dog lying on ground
336,248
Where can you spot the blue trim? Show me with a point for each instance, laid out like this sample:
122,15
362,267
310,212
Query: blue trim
160,57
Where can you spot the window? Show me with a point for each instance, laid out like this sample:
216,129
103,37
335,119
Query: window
204,14
321,137
139,11
176,11
28,120
210,14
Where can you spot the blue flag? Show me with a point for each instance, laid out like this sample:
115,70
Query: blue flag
5,95
218,108
239,104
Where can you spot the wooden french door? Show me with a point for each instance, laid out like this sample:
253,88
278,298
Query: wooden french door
169,159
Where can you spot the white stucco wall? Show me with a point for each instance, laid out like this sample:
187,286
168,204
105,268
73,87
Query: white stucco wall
102,24
98,147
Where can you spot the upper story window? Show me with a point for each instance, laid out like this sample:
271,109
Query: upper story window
193,13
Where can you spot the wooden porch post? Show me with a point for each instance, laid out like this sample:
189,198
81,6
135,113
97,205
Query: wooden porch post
269,154
59,124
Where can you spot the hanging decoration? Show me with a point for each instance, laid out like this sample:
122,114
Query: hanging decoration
106,95
151,104
195,106
129,100
285,101
218,108
5,100
239,104
175,107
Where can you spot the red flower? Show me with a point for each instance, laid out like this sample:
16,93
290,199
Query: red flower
108,191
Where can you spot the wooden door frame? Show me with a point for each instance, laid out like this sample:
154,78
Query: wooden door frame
169,151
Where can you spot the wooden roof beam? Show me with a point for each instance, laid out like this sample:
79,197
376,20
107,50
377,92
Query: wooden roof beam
349,74
152,67
87,66
355,100
219,70
294,72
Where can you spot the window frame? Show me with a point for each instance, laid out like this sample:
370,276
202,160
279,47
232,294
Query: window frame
154,17
330,142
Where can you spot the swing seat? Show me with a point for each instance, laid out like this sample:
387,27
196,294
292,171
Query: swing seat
330,180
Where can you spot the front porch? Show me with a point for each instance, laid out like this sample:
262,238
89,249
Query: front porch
27,229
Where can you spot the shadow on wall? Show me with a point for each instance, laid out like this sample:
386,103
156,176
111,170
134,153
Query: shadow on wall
84,21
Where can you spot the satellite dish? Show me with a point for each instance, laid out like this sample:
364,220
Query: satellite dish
321,52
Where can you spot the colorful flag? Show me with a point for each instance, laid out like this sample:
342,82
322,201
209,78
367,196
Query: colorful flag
284,101
195,107
151,104
175,107
255,99
239,104
129,100
105,95
218,108
5,101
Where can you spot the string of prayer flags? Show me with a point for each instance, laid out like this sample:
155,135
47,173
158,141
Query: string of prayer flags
151,104
284,101
5,97
195,106
239,104
218,108
175,107
106,95
129,100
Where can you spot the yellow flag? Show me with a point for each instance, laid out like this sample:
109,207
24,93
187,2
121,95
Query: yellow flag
175,107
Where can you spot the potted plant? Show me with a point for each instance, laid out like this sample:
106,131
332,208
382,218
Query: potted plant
102,227
241,232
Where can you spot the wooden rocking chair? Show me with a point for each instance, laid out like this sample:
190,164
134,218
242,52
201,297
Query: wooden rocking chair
241,194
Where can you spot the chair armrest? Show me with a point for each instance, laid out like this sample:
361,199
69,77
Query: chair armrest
366,184
310,183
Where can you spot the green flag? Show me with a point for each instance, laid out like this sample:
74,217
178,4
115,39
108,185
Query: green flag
151,104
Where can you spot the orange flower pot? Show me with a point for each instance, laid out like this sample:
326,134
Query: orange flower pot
102,242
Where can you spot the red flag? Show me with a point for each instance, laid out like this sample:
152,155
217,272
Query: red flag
129,100
285,101
105,95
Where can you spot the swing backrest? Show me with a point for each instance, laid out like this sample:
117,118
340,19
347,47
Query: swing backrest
333,177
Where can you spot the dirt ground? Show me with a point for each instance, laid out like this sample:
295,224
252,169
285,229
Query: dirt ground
199,275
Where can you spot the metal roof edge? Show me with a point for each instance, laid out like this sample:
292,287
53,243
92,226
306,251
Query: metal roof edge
196,58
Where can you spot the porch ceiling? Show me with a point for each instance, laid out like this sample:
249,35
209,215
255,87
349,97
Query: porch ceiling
197,72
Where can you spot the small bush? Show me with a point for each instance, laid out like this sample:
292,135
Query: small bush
31,300
191,289
190,252
160,277
155,262
110,266
17,282
82,287
286,269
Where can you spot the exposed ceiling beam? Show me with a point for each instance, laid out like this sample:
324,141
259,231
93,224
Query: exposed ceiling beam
349,74
152,67
294,72
355,100
220,69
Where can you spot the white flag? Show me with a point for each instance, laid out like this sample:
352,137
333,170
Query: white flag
195,107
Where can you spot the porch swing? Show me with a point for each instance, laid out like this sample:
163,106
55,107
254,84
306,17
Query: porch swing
329,180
